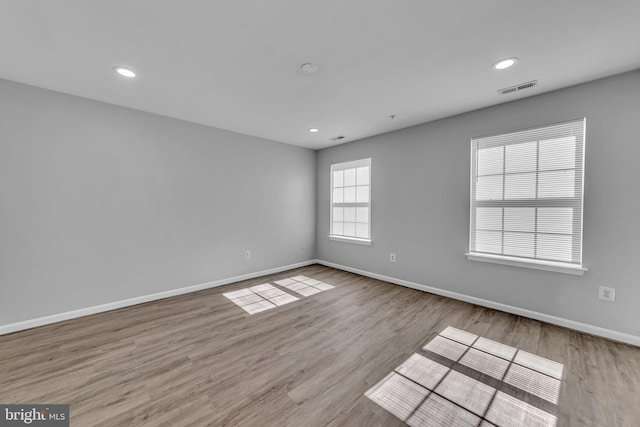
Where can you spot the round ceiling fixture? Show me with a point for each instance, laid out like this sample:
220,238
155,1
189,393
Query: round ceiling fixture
124,72
314,130
309,68
505,63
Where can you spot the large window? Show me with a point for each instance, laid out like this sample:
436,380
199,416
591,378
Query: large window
351,201
526,197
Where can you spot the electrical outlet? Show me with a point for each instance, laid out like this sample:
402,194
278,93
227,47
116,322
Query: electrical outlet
247,254
392,257
304,245
607,293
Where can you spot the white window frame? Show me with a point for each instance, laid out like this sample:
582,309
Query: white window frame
575,267
343,166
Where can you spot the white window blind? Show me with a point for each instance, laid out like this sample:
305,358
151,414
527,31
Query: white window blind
527,194
350,200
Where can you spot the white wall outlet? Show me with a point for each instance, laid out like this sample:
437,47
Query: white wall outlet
607,293
392,257
247,254
304,245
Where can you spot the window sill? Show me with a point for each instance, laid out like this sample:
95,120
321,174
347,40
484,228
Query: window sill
558,267
350,240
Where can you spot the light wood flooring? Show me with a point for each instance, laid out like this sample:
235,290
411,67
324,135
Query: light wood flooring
199,359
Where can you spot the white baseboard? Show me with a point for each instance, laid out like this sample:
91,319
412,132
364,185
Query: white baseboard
570,324
40,321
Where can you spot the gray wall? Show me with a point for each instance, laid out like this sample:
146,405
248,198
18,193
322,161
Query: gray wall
420,205
100,203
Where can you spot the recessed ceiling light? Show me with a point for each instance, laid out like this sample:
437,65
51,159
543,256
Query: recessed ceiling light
504,63
124,72
314,130
309,68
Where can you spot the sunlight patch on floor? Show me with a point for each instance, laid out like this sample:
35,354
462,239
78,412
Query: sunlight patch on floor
397,395
259,298
304,285
424,392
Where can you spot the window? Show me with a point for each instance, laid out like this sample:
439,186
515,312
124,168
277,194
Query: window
526,197
351,201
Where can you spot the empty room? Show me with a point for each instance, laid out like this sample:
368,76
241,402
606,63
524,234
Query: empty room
334,213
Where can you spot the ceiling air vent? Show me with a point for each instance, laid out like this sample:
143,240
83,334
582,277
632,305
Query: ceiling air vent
516,88
337,138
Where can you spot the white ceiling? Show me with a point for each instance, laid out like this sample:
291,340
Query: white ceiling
235,64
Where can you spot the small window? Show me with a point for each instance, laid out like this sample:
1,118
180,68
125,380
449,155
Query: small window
527,197
351,201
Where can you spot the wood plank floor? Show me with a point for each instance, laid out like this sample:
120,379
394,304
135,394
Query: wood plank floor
198,359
